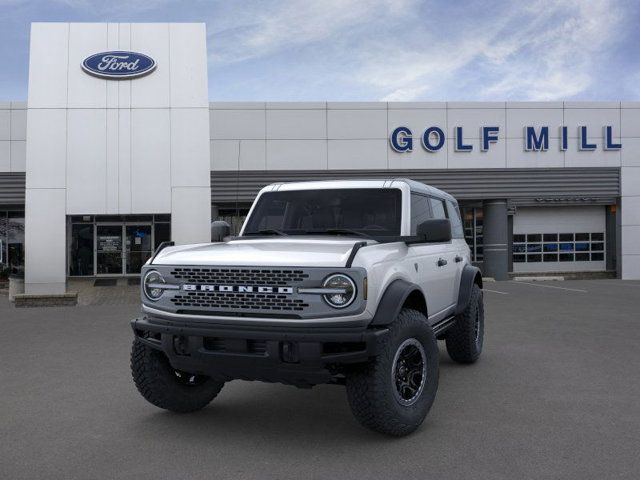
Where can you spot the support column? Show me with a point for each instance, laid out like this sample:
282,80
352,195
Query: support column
495,239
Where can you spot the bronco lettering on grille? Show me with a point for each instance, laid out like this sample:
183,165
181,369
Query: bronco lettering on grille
237,289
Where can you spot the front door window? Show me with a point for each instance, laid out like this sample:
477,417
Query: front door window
109,249
138,247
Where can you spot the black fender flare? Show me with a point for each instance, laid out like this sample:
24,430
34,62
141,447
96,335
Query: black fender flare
470,275
392,301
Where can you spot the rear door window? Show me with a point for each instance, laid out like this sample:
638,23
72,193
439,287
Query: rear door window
420,211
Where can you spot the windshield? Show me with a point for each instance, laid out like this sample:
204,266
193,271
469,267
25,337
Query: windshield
365,212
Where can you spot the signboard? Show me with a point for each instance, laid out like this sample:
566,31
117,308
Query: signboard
118,65
535,139
109,243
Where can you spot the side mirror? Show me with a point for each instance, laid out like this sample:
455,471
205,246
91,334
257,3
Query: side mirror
435,230
219,230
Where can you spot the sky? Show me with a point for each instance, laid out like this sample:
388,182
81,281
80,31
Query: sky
377,50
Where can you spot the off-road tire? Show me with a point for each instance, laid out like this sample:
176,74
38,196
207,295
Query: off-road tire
370,388
464,342
158,382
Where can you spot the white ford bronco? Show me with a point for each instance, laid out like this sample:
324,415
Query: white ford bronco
341,282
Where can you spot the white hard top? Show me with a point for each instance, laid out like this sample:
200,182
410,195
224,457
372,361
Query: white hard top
413,185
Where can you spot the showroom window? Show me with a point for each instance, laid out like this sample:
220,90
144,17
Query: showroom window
11,242
472,223
114,244
558,247
234,217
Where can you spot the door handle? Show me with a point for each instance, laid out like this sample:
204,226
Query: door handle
442,262
459,258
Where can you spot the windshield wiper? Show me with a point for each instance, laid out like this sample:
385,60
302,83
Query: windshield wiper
269,231
340,231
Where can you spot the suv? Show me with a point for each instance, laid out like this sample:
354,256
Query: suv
342,282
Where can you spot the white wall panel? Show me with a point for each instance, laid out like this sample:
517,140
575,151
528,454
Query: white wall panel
630,153
86,91
5,156
86,161
495,157
45,241
112,176
237,124
18,124
188,54
592,118
471,119
47,148
190,147
296,154
296,124
418,120
150,161
113,43
418,158
191,215
5,124
630,267
630,239
48,65
630,181
18,156
630,118
630,214
253,155
357,124
517,157
124,86
124,161
224,154
597,158
153,90
357,154
518,118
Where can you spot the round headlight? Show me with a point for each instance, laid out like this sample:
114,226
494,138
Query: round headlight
345,290
150,285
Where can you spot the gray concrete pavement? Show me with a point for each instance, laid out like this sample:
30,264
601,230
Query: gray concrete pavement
555,395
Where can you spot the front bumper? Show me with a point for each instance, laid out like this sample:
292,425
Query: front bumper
302,356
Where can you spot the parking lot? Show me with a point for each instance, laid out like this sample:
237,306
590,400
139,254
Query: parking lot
555,395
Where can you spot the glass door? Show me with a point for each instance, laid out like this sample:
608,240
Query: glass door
109,253
138,247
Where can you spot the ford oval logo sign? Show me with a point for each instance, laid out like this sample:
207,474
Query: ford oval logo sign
118,65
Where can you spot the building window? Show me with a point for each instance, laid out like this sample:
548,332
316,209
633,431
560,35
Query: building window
114,244
472,220
558,247
234,217
11,242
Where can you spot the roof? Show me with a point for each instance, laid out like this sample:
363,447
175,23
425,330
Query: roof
414,186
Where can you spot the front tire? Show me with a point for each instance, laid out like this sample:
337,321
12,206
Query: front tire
465,338
393,393
165,387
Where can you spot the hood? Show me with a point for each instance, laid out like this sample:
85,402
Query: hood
321,251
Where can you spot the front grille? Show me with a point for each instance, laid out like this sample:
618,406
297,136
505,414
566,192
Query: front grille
238,276
238,301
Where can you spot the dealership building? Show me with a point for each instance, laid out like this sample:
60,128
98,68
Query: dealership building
118,148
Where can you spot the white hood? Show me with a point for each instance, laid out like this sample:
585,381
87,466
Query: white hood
320,251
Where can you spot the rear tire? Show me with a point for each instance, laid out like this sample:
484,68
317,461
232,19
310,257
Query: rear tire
393,393
465,338
165,387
